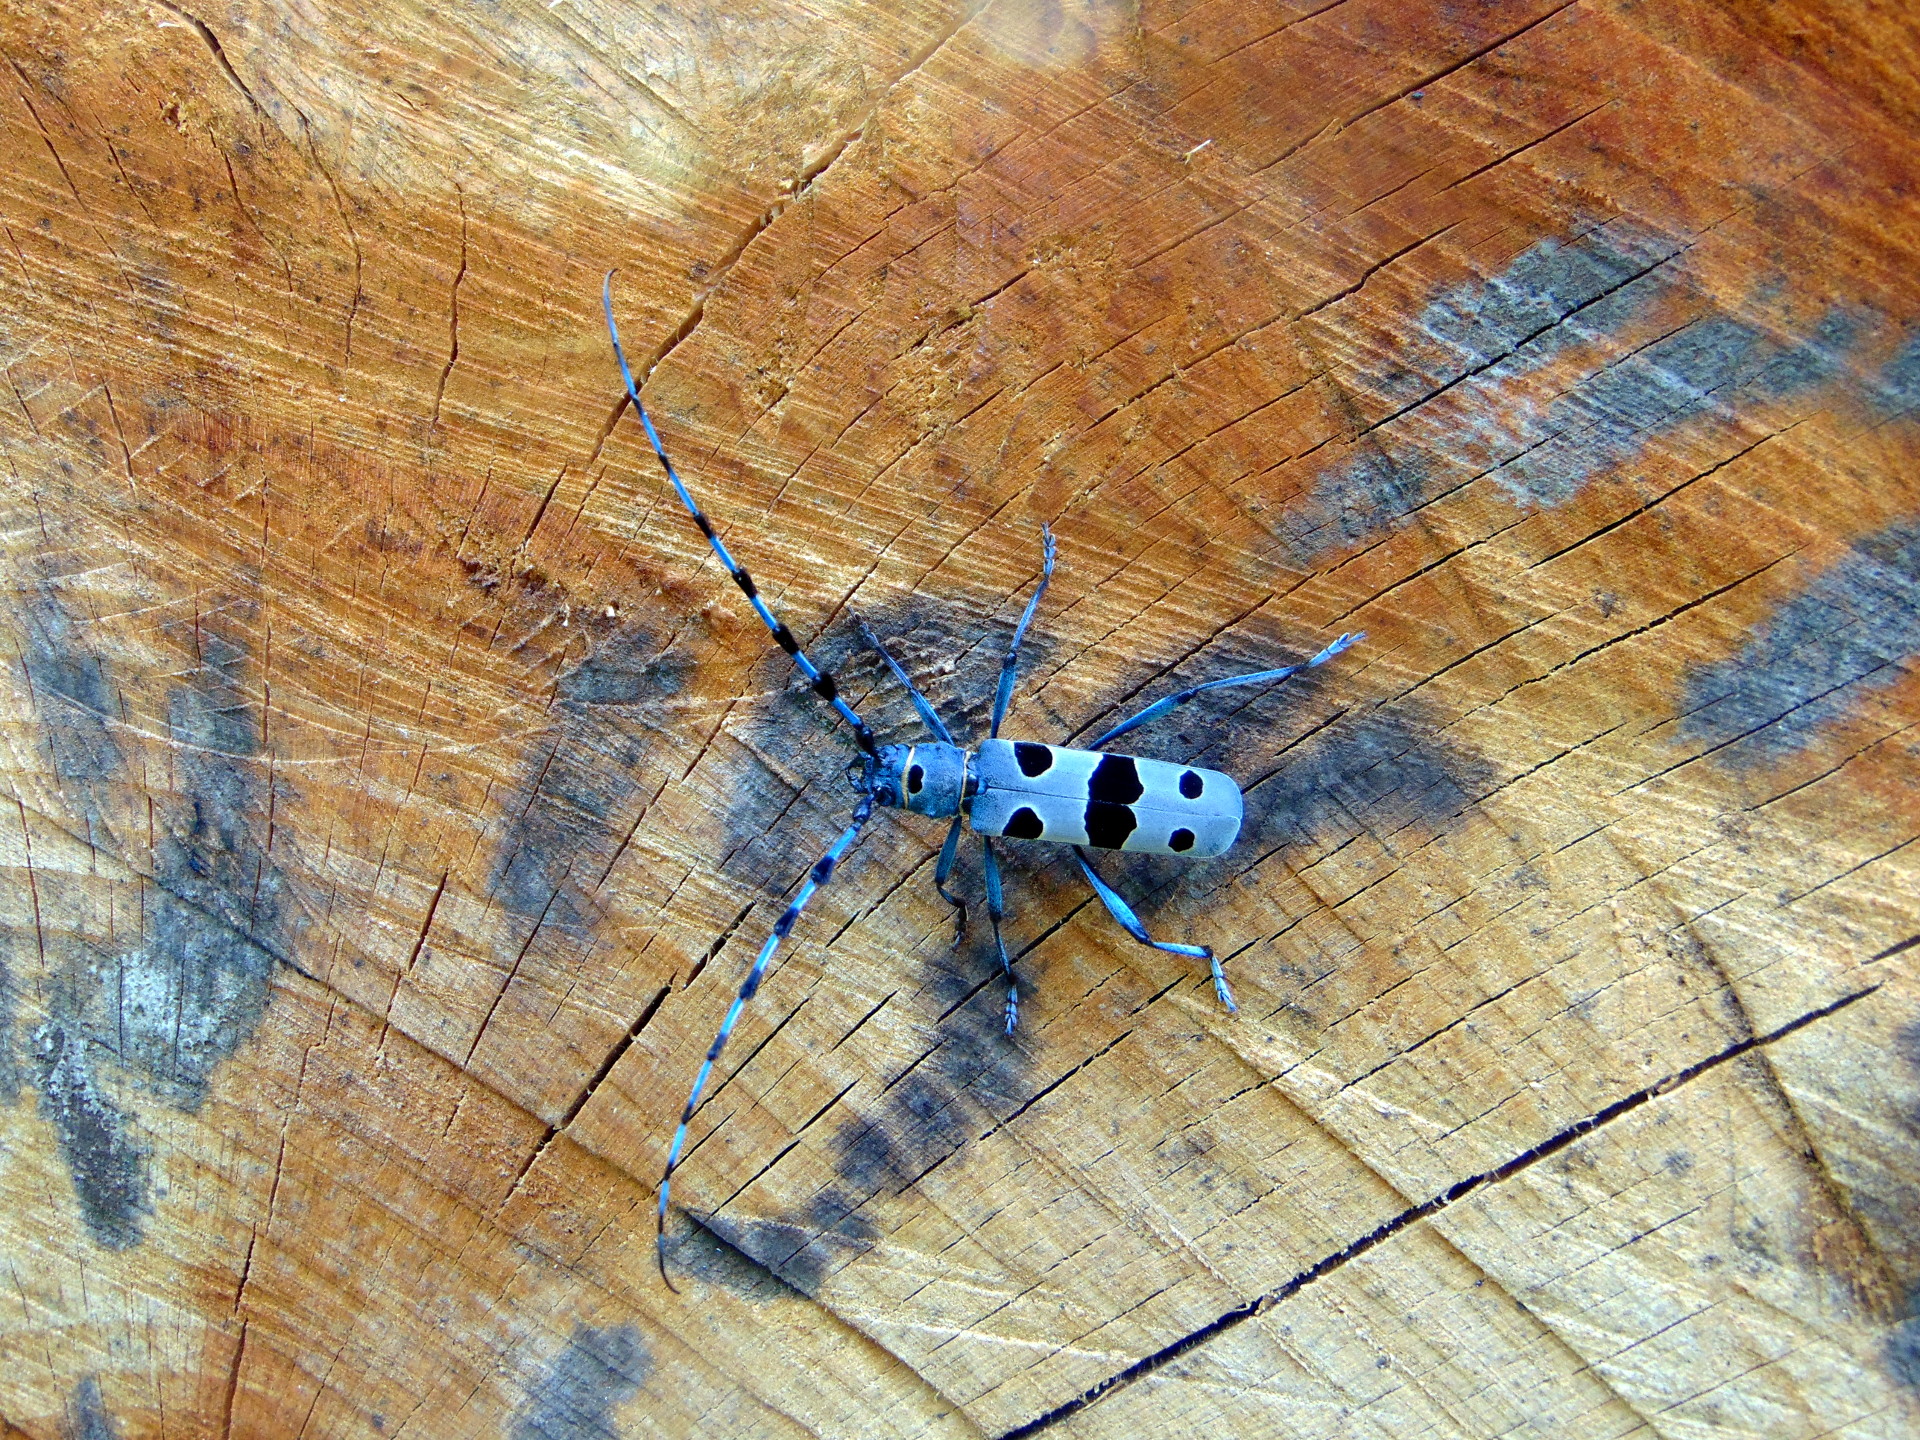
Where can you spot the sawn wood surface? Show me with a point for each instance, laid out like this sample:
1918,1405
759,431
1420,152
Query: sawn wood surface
396,789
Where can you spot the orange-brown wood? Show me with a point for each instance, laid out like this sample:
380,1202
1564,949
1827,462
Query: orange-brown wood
397,789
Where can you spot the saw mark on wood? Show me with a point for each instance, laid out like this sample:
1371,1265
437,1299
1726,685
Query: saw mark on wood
1425,81
1522,149
1372,106
800,184
353,235
246,213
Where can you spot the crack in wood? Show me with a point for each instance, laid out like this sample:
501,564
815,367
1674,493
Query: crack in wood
1149,1364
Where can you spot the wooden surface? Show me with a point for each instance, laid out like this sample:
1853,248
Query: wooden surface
396,790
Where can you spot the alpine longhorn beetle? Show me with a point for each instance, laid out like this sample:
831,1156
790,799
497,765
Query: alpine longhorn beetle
1011,789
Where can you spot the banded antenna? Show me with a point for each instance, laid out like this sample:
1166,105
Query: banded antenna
822,683
822,871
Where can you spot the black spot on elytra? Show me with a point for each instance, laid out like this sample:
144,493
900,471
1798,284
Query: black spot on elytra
593,1376
1108,826
1853,630
91,1421
916,777
1115,781
1180,841
1025,824
1033,760
1190,786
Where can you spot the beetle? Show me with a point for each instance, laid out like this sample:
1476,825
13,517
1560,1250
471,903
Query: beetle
1005,789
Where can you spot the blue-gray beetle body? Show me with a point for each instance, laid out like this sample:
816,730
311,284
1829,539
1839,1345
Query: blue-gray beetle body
1026,791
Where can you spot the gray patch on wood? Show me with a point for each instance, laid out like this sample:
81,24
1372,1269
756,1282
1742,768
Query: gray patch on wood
1386,772
166,1011
70,685
195,992
1851,631
109,1169
575,1399
970,1080
1713,364
9,1015
574,803
1368,770
1485,337
800,1252
1902,1346
1556,294
90,1418
1897,386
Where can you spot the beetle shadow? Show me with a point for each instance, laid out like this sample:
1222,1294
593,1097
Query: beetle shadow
968,1080
1316,773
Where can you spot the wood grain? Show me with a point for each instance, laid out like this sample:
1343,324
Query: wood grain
397,788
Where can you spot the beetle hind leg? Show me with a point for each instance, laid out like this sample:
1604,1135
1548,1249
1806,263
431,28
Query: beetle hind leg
996,912
1123,916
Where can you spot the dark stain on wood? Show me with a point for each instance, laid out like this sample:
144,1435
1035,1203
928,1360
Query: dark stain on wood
1648,354
593,1376
164,1010
964,1085
573,806
1816,657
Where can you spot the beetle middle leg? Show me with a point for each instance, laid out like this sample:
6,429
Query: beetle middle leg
950,852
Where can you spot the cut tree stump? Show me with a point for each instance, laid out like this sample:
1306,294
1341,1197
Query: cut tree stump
397,789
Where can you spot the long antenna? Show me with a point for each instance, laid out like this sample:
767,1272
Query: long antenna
822,682
821,873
